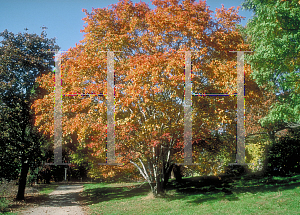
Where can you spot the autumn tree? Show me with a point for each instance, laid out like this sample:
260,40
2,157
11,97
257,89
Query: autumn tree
149,83
23,58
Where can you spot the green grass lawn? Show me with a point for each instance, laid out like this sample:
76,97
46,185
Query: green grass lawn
47,188
275,195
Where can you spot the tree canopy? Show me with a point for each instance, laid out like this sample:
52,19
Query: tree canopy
274,35
149,83
23,58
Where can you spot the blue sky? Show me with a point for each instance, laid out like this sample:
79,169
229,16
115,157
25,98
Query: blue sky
63,18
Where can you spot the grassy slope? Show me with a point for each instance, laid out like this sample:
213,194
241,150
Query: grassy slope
275,195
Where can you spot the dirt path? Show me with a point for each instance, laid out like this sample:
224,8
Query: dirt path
62,201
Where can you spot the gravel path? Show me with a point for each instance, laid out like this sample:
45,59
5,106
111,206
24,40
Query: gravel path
62,202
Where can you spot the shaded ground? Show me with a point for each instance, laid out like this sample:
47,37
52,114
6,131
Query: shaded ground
62,201
32,195
113,192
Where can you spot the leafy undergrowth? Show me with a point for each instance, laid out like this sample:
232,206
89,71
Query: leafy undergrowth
4,203
199,195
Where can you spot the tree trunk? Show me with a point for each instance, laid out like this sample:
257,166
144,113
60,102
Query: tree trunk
159,190
167,174
177,173
22,181
48,176
152,186
272,136
159,178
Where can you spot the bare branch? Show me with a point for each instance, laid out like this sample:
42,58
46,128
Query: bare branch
293,125
256,134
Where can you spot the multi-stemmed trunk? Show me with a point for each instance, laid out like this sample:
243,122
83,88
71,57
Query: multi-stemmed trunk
157,175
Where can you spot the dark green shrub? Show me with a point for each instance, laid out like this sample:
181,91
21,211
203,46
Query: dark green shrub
236,170
283,157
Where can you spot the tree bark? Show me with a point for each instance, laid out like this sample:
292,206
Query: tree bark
177,173
167,174
272,136
159,189
158,175
22,181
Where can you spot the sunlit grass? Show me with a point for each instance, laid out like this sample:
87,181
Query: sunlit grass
275,195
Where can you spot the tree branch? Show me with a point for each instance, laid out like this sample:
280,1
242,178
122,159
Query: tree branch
293,125
141,171
145,171
255,134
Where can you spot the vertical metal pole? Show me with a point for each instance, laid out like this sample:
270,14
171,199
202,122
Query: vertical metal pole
240,156
240,149
65,174
110,153
110,108
188,159
57,113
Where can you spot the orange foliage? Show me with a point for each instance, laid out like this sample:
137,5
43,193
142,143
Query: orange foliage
149,77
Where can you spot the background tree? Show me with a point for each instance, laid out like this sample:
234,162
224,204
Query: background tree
149,84
23,58
273,33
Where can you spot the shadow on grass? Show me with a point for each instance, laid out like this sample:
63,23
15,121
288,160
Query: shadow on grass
228,188
202,189
198,189
103,194
266,184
